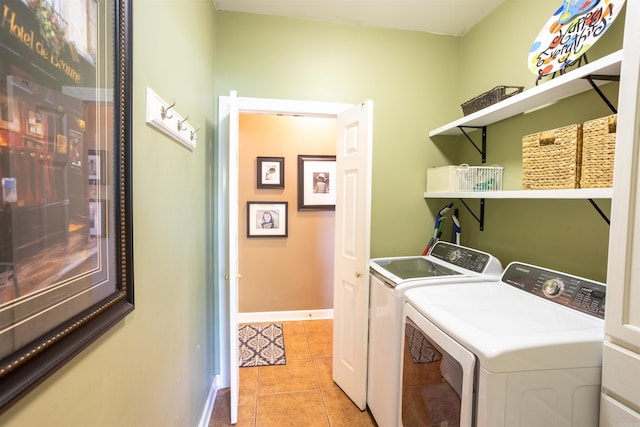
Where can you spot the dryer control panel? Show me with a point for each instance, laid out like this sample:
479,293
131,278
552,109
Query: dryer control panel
573,292
466,258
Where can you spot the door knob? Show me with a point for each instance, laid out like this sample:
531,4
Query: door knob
357,274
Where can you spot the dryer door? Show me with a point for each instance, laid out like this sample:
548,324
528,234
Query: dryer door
437,376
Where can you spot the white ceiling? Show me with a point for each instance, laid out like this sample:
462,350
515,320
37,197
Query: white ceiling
450,17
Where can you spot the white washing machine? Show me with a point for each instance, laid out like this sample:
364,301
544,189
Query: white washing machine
389,279
525,351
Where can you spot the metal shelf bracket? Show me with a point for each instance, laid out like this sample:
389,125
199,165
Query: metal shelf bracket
483,150
590,78
480,218
602,214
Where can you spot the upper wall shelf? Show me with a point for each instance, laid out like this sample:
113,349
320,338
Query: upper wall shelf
563,86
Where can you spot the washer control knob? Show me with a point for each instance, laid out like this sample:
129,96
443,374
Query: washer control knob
455,255
553,287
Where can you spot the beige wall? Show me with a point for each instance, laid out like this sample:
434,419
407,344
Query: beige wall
296,272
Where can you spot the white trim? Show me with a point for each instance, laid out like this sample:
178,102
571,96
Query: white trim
281,106
282,316
207,411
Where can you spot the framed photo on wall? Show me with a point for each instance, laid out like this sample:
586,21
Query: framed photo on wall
270,172
95,164
34,123
267,219
316,175
9,114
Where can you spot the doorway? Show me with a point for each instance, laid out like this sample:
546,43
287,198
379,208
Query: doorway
353,201
286,274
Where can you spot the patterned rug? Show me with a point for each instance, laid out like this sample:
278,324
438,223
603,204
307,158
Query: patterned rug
261,345
421,349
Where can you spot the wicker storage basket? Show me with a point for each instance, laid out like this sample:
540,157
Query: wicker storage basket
552,159
598,148
495,95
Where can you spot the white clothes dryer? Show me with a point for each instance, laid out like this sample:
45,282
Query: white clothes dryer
525,351
390,278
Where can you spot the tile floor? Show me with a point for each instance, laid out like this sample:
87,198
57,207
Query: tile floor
300,393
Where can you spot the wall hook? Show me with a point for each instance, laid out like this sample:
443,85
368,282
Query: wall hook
193,132
181,122
164,111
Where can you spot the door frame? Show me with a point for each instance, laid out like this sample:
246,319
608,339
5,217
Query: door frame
256,106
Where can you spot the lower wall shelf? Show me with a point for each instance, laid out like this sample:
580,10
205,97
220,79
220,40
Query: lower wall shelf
570,194
580,193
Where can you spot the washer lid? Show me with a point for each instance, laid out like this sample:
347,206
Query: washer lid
405,268
444,259
510,330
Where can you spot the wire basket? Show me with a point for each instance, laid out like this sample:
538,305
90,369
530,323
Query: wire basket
493,96
479,178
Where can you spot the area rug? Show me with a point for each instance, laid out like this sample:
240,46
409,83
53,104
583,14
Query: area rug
421,349
261,345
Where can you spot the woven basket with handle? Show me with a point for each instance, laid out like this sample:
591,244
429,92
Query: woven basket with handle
552,159
493,96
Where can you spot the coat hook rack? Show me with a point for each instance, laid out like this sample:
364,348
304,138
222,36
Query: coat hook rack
163,116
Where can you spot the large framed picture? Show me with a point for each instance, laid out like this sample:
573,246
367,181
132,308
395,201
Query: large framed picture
66,281
316,177
267,219
270,172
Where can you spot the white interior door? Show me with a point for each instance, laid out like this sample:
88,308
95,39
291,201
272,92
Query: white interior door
228,138
352,232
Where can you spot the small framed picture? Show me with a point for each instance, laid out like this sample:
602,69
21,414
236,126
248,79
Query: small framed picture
75,146
270,172
9,116
316,175
9,190
95,164
95,218
35,123
267,219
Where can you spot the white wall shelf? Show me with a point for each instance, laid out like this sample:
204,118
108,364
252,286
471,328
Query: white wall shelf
561,87
580,193
582,79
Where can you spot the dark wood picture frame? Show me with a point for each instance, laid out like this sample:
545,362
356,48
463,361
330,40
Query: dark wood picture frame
270,172
315,189
267,219
50,338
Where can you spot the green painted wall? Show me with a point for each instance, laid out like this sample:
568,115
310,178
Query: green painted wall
417,82
406,74
565,235
155,367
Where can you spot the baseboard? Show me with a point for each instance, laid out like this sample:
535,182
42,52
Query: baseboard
283,316
207,411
